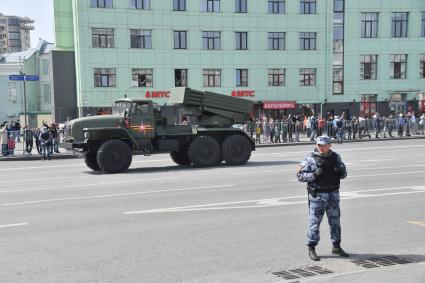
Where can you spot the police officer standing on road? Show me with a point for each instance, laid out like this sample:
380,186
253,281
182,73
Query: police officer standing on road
322,170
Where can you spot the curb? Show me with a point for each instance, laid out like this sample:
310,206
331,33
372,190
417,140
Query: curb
37,157
345,141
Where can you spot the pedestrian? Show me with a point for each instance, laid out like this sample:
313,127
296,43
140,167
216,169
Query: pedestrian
422,124
3,139
390,125
278,131
321,125
46,143
55,138
401,124
314,128
291,126
37,140
284,129
272,130
355,123
257,132
29,140
322,170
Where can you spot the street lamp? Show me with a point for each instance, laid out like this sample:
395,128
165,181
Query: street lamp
22,72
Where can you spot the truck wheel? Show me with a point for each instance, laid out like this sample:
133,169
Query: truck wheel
236,150
180,157
114,156
91,161
204,151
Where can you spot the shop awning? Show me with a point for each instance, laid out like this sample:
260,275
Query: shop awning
276,105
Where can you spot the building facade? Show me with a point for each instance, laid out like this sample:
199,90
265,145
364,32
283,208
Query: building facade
15,33
299,56
38,93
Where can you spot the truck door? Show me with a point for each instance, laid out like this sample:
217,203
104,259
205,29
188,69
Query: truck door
142,122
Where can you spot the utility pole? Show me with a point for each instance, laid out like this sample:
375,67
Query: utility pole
22,72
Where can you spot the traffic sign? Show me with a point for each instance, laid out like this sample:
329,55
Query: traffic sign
16,78
24,77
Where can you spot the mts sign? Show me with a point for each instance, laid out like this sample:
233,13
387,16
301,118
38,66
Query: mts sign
243,93
157,94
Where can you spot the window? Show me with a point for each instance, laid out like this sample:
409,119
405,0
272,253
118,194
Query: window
338,80
241,40
241,6
308,7
307,77
141,38
338,32
276,77
276,40
140,4
210,6
307,40
398,66
179,5
12,92
142,77
369,25
102,37
422,67
180,77
399,24
211,40
423,25
338,5
180,40
241,77
46,95
276,7
45,67
368,67
212,77
101,3
104,77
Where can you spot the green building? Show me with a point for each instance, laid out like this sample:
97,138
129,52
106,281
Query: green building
292,56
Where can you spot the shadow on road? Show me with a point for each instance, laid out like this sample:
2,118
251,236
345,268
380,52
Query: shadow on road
413,258
176,168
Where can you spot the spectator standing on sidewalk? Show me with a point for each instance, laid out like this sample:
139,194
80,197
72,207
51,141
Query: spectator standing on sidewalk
320,125
3,139
414,124
422,124
401,124
314,128
46,143
28,140
390,125
291,126
278,131
37,140
55,138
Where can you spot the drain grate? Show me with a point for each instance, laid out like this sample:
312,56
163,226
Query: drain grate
302,272
375,262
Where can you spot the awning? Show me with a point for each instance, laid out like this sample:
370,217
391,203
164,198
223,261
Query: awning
276,105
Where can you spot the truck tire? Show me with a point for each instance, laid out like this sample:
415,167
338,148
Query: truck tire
114,156
236,150
181,157
204,151
91,161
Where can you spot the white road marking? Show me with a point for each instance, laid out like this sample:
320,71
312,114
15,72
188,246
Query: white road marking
263,203
13,225
386,174
90,185
115,195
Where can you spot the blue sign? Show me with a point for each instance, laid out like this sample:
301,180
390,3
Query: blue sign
16,78
22,78
31,78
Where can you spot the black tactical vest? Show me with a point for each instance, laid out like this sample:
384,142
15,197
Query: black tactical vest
329,181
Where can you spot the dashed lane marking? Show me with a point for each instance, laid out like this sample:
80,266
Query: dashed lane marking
114,195
420,223
13,225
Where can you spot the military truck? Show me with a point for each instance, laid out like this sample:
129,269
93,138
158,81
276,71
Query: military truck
201,134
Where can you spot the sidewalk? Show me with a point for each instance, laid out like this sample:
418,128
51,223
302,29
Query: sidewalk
64,154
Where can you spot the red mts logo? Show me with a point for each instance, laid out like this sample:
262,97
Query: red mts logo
157,94
243,93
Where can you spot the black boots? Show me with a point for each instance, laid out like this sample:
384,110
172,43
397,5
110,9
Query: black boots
337,250
312,254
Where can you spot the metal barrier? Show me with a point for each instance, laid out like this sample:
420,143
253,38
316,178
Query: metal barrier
290,131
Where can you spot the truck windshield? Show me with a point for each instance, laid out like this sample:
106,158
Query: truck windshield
120,107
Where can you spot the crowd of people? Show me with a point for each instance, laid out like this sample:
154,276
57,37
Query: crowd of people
45,139
339,127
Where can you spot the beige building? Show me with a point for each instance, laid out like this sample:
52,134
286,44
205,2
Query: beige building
15,33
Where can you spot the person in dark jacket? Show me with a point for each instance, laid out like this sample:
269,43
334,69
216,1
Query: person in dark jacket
322,170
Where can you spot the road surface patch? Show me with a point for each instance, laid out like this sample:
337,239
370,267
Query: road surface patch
302,272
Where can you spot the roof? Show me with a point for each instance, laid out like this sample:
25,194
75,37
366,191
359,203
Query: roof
16,56
43,47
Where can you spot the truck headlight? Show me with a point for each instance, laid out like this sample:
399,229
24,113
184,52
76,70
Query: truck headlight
86,135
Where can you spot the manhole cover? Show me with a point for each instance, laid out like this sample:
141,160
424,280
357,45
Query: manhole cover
302,272
375,262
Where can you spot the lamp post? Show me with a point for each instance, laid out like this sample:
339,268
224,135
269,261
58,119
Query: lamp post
22,72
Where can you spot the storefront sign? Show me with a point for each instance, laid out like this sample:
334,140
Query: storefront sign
243,93
276,105
157,94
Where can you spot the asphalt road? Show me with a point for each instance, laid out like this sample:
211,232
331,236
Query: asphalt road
61,222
